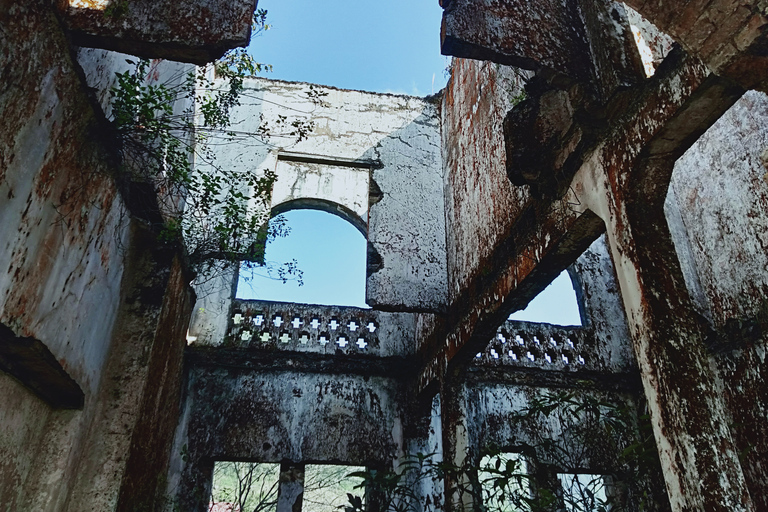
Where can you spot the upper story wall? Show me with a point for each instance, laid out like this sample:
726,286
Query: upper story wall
374,159
481,203
719,198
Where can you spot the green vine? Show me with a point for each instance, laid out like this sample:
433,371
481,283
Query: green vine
503,482
221,215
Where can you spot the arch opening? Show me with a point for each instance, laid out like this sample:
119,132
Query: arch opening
327,248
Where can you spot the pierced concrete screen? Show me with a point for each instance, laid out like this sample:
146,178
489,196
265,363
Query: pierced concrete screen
326,487
556,305
241,486
330,256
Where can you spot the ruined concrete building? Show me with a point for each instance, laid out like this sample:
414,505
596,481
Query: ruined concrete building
624,143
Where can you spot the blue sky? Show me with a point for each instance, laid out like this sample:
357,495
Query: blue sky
329,251
389,46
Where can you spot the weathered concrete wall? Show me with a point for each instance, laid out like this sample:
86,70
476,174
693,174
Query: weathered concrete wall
598,292
481,203
63,224
621,185
232,413
497,418
374,157
66,294
722,196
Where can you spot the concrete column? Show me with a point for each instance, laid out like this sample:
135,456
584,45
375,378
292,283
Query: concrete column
690,420
457,451
290,494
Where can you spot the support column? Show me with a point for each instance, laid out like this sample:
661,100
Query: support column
290,494
690,420
457,449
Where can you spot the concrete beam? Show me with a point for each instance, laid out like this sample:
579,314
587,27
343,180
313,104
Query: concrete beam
730,36
33,364
541,245
196,31
518,33
589,42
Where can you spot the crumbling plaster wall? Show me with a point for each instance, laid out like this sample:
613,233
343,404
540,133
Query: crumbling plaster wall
232,413
400,136
721,197
68,242
370,157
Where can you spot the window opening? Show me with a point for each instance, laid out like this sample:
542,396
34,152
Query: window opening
241,486
329,251
504,481
326,487
583,492
556,304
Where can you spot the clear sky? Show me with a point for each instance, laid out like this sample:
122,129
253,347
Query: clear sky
329,251
391,46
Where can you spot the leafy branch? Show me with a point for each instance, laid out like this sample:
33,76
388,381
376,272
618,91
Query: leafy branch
167,133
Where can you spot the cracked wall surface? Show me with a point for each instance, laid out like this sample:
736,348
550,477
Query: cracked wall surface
466,223
373,159
87,290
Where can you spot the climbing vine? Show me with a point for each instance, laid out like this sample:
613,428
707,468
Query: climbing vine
167,155
505,482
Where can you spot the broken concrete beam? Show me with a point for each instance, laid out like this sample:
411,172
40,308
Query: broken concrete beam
196,31
730,36
519,33
33,364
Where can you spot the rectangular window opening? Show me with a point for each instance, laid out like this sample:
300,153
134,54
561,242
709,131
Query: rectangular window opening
504,481
584,492
326,487
241,486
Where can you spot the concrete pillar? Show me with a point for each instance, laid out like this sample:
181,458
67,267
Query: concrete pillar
127,450
690,420
457,451
290,494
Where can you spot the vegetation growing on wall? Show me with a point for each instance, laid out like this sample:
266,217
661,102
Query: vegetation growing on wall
507,482
220,214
